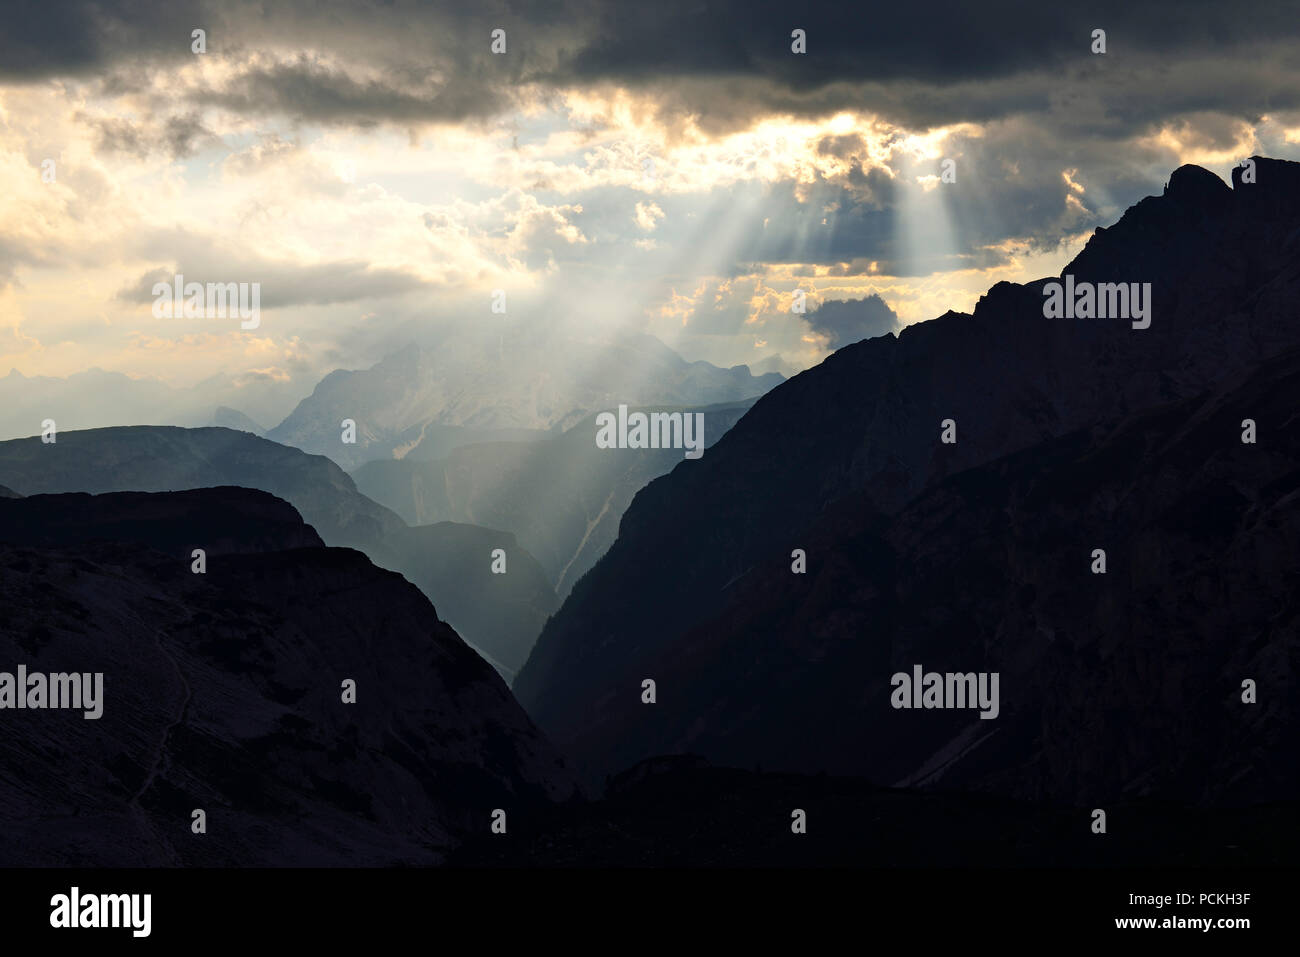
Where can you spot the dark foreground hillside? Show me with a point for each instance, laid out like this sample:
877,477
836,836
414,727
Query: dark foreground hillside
679,813
223,691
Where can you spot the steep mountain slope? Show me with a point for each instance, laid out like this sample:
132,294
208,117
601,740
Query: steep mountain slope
504,611
563,496
502,614
1112,686
543,384
222,691
864,429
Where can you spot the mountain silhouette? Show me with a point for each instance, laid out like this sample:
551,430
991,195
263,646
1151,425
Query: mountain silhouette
501,614
1071,435
222,692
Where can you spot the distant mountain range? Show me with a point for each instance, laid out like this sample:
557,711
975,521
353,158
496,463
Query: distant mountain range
562,496
421,402
1071,435
225,692
411,398
499,613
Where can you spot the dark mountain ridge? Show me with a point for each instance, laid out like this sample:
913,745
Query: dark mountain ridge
502,614
222,692
830,461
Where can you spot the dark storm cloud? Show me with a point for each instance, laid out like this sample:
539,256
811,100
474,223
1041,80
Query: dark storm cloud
399,62
45,38
847,320
947,40
723,61
311,91
929,64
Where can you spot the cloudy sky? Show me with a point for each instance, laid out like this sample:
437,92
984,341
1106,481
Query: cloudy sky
664,167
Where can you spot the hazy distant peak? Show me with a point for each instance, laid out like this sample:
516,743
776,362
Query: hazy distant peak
469,387
228,418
